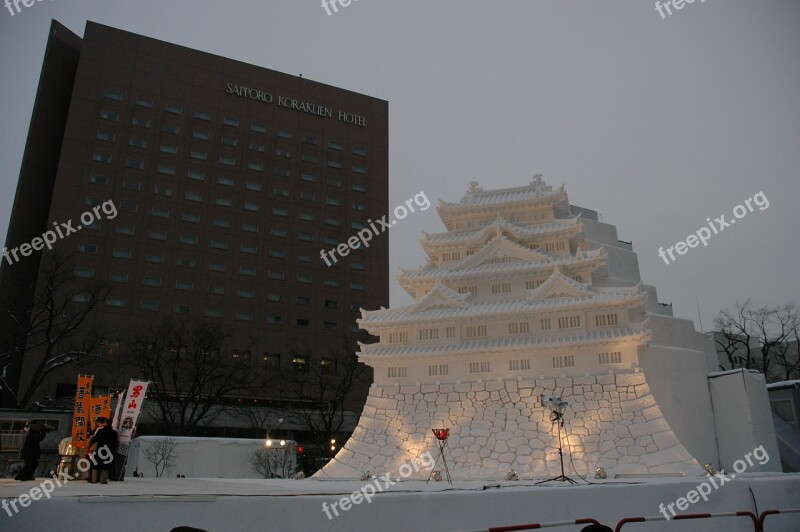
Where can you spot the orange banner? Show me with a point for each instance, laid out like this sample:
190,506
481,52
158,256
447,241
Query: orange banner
101,406
82,411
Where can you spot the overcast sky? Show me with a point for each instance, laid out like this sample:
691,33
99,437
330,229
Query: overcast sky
656,123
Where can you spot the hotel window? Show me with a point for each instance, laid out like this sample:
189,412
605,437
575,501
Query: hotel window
213,313
468,290
450,332
304,257
169,148
219,244
255,187
227,160
309,139
327,366
357,266
480,367
252,207
257,146
310,178
223,202
534,284
428,334
216,289
279,211
191,217
244,316
229,141
115,301
258,128
434,370
274,320
308,158
522,327
255,166
357,225
282,152
191,240
398,337
276,275
161,190
359,188
302,300
98,179
197,176
124,230
569,322
302,322
614,357
360,151
83,272
106,136
275,298
567,361
334,164
277,231
136,164
336,202
250,228
140,122
300,363
128,206
331,283
102,157
330,326
109,115
155,258
335,182
167,169
331,304
308,196
335,146
159,212
277,253
157,234
306,216
604,320
152,281
250,250
118,277
359,169
516,365
186,262
545,324
359,206
175,129
280,191
149,304
182,309
399,372
476,331
282,172
501,288
330,220
175,109
184,285
304,279
144,102
233,122
200,115
121,253
284,135
217,267
357,286
138,143
199,155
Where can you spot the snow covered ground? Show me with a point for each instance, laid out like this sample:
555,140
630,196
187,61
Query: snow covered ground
224,504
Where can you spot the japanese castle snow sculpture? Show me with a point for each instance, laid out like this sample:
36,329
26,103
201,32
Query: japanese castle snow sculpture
524,296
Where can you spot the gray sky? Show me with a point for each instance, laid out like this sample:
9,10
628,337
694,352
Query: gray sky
656,123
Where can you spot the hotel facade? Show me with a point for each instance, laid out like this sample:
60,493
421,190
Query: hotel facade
226,179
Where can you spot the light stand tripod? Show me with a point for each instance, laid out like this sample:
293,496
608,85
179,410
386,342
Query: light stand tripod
557,409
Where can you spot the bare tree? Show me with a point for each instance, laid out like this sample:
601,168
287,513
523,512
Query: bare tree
759,338
192,371
274,462
162,454
321,391
52,328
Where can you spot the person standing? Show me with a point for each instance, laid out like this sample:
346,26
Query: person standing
105,436
31,450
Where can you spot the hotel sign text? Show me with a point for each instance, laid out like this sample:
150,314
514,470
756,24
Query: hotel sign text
294,103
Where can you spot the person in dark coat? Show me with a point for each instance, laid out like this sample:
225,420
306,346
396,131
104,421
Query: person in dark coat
106,437
31,451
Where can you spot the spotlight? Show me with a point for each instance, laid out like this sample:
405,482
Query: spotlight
283,442
269,443
710,470
600,473
512,475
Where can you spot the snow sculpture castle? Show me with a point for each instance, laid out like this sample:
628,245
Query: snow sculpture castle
527,295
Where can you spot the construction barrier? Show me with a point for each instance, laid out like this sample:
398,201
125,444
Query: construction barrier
682,517
535,526
767,513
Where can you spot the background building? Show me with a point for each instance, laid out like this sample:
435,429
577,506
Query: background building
215,185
